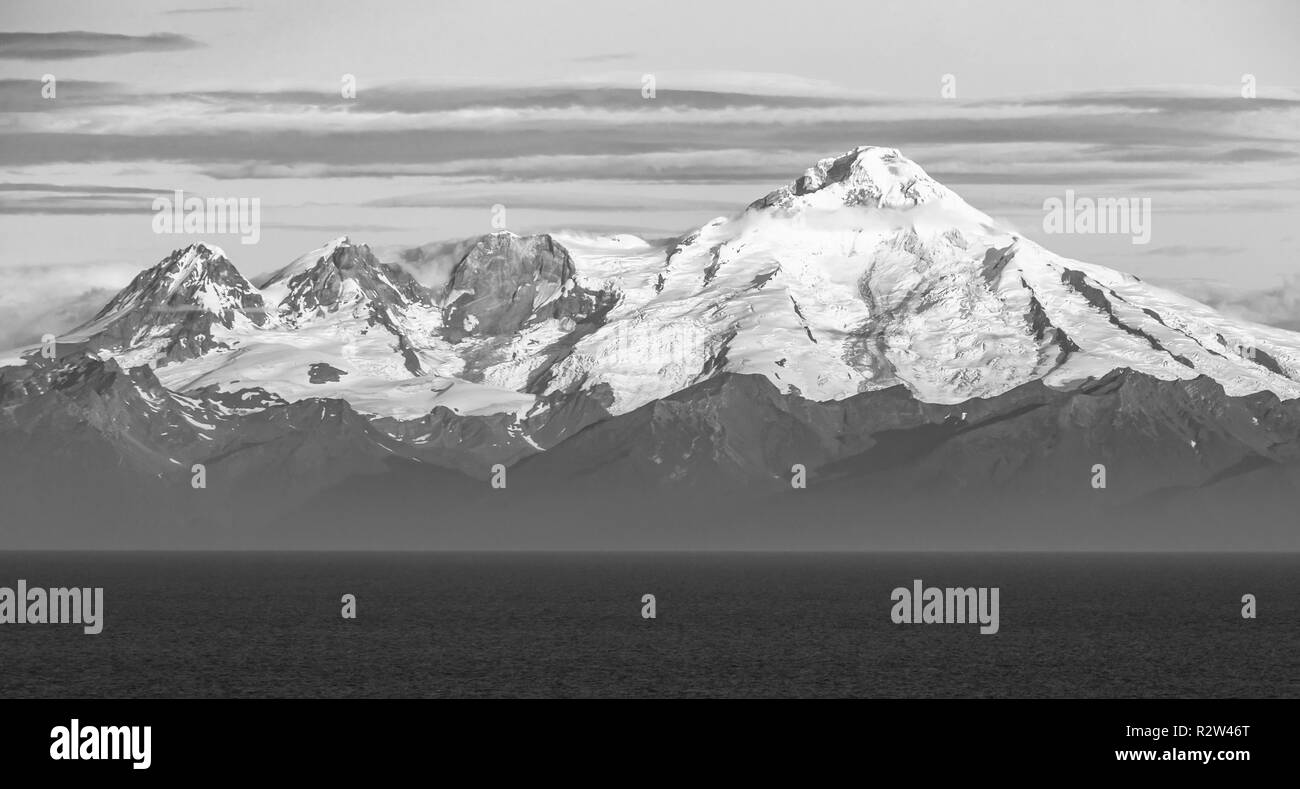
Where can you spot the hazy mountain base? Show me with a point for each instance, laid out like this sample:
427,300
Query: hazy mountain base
94,457
424,508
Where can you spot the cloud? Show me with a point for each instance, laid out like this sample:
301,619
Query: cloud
735,132
308,138
72,95
95,189
333,231
38,299
720,166
1087,175
1275,306
1190,250
82,199
609,57
25,324
220,9
1170,101
552,201
1159,154
81,44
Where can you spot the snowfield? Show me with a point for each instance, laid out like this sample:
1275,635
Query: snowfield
868,274
863,274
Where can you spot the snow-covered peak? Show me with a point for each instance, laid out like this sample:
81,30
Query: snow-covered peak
172,308
197,277
275,285
193,264
338,275
865,176
204,249
862,274
866,273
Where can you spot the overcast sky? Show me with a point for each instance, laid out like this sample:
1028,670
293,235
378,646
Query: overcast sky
538,107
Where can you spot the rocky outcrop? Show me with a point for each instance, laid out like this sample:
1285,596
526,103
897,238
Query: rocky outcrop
505,281
345,275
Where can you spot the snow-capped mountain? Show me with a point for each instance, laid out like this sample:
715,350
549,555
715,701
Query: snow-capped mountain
505,282
863,274
866,273
863,323
336,277
340,323
173,310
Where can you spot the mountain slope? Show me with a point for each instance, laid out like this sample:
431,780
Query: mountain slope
861,275
929,372
338,276
174,310
866,274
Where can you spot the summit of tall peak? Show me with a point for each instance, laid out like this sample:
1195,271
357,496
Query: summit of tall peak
171,308
868,175
338,275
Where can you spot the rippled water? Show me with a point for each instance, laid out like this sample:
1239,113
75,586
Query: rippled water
219,625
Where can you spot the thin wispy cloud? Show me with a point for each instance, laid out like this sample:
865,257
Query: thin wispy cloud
1161,154
608,57
1278,305
556,200
78,199
86,189
85,205
39,297
1187,250
74,44
221,9
1173,100
464,135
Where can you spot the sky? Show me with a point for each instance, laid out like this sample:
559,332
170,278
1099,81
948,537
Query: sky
543,109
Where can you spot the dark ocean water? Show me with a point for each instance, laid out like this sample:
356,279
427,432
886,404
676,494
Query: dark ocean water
476,625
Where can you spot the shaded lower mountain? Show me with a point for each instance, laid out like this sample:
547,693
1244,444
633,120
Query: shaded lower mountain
738,430
89,449
83,442
733,430
473,444
711,467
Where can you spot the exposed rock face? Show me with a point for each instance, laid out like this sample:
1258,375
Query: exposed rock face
865,176
506,281
175,306
345,275
323,373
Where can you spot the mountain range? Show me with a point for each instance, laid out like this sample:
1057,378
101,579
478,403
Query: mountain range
858,359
